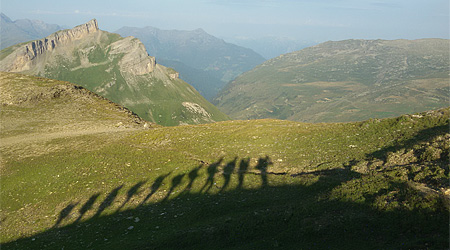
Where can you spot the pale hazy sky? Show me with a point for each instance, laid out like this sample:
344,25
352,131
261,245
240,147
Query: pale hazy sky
310,20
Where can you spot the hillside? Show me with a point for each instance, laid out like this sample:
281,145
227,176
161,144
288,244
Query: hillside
39,110
216,62
23,30
342,81
116,68
260,184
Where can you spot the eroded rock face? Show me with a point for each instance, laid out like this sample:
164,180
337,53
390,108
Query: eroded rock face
135,60
22,58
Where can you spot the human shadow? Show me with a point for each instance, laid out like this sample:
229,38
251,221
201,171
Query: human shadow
211,170
176,181
302,214
155,186
193,174
108,201
262,166
87,206
65,212
131,192
228,169
243,168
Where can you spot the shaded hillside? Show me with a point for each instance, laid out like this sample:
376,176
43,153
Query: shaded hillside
199,50
207,83
23,30
236,184
344,81
116,68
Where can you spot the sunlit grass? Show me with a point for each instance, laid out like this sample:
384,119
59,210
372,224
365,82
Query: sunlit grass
230,177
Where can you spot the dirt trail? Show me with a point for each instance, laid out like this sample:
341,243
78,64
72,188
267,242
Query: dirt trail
42,137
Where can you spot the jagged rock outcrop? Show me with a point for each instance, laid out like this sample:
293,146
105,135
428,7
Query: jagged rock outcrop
23,57
136,60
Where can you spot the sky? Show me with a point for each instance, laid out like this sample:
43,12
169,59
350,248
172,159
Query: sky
308,20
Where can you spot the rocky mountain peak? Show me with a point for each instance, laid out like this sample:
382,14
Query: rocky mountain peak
75,33
23,57
81,30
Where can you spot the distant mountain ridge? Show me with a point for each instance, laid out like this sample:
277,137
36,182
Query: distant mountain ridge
22,30
344,81
270,47
117,68
215,61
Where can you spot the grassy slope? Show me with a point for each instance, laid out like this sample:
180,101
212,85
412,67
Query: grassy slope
43,105
237,184
341,81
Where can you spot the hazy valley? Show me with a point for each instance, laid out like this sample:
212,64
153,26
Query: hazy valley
215,61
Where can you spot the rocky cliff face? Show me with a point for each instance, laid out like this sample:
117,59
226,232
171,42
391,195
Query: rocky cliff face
23,58
135,60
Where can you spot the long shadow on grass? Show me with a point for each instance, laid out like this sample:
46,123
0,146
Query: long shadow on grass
155,186
108,200
87,206
227,172
131,192
65,212
212,170
275,215
421,136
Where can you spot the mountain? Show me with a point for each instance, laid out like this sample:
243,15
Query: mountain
216,62
114,67
23,30
79,172
343,81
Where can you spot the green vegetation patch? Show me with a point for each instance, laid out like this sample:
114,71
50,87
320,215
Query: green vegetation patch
237,184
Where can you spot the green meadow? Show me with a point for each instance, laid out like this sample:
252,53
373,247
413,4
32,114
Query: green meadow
268,184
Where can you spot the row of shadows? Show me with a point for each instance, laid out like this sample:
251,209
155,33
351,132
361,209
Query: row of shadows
212,170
